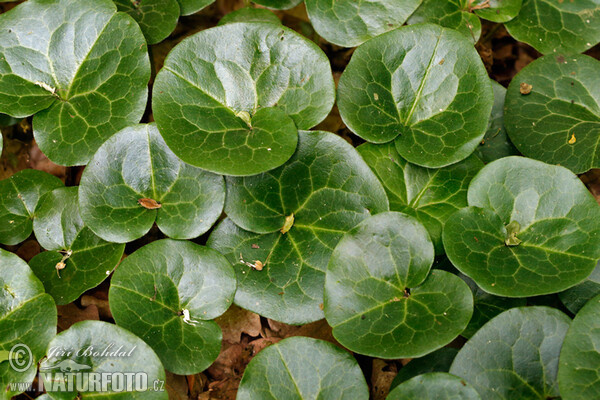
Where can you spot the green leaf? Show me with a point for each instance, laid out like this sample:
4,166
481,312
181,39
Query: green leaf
430,93
436,385
559,233
77,259
92,348
552,26
193,6
576,297
579,365
135,180
438,361
495,143
515,354
27,322
448,14
278,4
156,18
79,66
558,122
379,299
250,14
496,10
167,293
19,196
324,172
300,368
236,112
349,23
429,195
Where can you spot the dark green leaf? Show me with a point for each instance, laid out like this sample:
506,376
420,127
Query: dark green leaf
559,235
554,26
250,14
77,259
236,112
328,189
515,355
301,368
193,6
349,23
167,293
430,195
579,370
19,196
278,4
435,385
438,361
157,18
424,86
576,297
558,122
449,14
135,180
496,10
80,66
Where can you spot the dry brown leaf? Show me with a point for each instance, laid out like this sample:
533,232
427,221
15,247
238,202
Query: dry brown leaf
237,321
102,304
70,314
382,375
149,204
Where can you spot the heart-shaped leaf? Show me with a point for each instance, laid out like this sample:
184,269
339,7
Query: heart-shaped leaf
81,67
303,368
27,322
236,112
429,195
83,360
135,180
448,14
558,121
250,14
435,385
438,361
553,26
349,23
579,369
319,194
156,18
424,86
167,293
19,196
193,6
379,298
515,354
494,10
278,4
521,236
576,297
77,259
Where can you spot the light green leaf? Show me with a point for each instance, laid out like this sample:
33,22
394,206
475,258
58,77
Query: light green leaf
515,354
328,189
429,195
553,26
559,233
236,112
193,6
135,180
77,259
301,368
438,361
349,23
558,122
79,66
157,18
436,385
496,10
576,297
449,14
250,14
424,86
19,196
278,4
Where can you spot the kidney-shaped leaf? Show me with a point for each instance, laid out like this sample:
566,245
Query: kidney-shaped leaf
319,194
429,195
27,322
193,6
235,110
515,354
157,18
96,348
554,26
576,297
80,66
379,298
167,293
424,86
349,23
278,4
449,14
77,259
579,369
135,180
558,121
250,14
435,385
531,229
301,368
19,196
